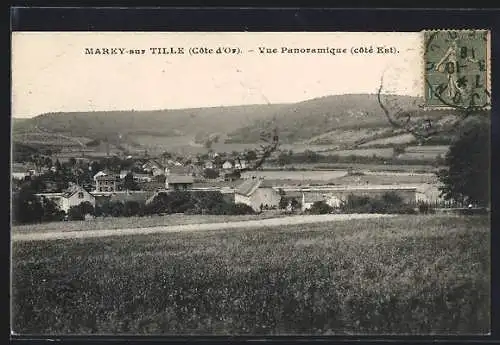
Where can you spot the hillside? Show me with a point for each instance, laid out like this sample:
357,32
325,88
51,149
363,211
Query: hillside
340,120
167,123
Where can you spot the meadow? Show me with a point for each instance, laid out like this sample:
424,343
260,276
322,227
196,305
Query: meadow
106,223
400,275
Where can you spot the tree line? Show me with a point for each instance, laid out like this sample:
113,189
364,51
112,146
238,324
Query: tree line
28,208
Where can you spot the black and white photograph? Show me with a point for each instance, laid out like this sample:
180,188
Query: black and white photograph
250,183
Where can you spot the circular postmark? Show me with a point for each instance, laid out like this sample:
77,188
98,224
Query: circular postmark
446,97
457,69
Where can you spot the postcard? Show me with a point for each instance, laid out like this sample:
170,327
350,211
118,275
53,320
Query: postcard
251,183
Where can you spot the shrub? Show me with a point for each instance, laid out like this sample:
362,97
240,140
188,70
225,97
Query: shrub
117,209
80,211
210,173
240,209
51,211
75,213
320,207
131,208
26,207
425,208
388,203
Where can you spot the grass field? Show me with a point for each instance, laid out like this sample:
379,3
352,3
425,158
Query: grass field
358,166
403,275
137,222
377,152
397,139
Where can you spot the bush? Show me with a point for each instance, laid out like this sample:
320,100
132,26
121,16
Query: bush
76,213
51,211
210,173
80,211
388,203
320,207
240,209
26,207
425,208
117,209
131,208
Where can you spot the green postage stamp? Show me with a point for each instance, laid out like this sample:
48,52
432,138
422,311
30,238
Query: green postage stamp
457,68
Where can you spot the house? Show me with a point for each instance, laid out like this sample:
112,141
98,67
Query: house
124,173
142,178
209,165
254,193
107,183
74,196
19,175
22,171
213,155
152,166
308,199
240,164
178,182
227,165
101,173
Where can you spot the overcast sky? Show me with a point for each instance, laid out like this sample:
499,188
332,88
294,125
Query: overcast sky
51,73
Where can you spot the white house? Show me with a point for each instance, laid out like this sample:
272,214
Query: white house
100,173
308,199
124,173
227,165
74,196
255,194
209,165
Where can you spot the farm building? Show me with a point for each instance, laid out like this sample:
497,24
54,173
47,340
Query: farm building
254,193
73,196
334,195
308,199
178,182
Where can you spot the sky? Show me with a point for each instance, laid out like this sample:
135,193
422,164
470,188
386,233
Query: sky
52,73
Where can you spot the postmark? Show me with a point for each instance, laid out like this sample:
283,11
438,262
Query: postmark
457,69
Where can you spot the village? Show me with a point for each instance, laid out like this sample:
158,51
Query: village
237,177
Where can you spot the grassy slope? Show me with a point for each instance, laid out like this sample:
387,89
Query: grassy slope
415,275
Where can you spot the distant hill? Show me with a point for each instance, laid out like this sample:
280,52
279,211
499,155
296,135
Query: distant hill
168,123
332,120
339,119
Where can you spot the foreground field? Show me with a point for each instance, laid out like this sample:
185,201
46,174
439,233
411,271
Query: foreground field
110,223
405,275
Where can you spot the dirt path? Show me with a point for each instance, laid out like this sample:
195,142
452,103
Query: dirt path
293,220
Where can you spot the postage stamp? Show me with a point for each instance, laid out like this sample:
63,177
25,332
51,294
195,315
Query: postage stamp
457,68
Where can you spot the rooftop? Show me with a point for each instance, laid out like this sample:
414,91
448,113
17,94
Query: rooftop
72,190
180,179
249,187
327,188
